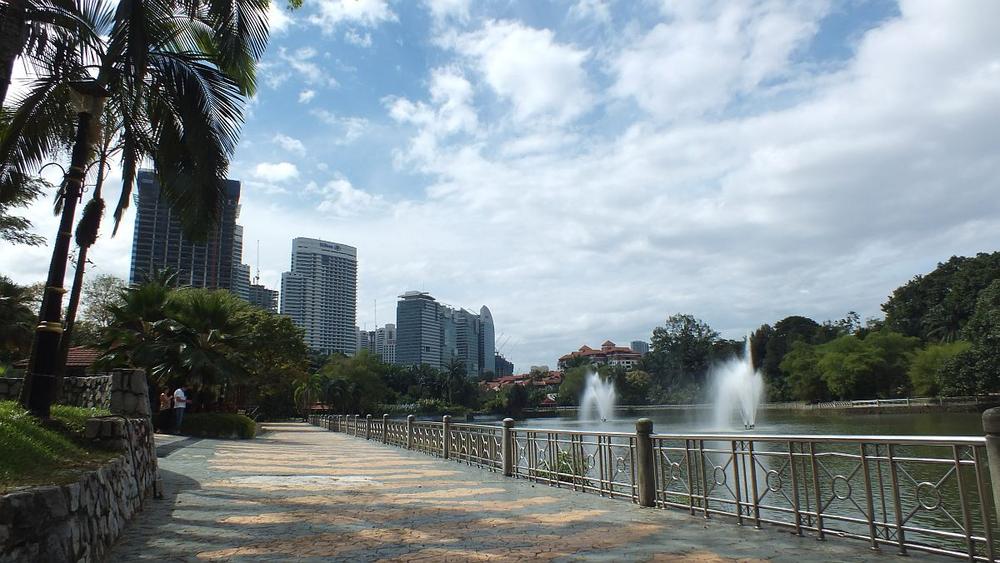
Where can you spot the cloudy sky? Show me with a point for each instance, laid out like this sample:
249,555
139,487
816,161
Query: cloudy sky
587,168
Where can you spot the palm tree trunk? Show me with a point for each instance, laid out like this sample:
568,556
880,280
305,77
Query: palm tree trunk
74,303
13,34
40,379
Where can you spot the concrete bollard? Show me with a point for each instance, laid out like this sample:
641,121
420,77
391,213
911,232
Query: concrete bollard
645,473
409,431
357,421
446,436
507,444
991,426
368,427
385,429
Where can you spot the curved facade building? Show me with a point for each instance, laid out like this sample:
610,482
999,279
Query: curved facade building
487,341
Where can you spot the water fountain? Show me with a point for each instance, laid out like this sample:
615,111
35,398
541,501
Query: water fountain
598,401
737,389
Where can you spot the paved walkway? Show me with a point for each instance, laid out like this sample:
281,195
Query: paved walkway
301,493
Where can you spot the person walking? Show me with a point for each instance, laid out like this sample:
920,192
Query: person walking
180,403
165,411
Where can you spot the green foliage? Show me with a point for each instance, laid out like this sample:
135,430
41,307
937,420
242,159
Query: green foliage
32,453
977,370
571,388
926,366
632,387
937,305
355,384
850,367
218,425
20,191
101,295
17,320
682,351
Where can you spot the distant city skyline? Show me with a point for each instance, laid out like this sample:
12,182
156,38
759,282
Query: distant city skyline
590,168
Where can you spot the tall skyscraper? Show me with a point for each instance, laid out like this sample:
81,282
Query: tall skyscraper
385,343
241,271
158,241
431,333
263,297
419,335
320,294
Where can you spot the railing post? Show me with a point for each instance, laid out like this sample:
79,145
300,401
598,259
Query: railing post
385,428
368,427
644,462
409,431
991,426
507,446
356,424
446,435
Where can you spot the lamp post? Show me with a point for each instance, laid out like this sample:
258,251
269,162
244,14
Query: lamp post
43,366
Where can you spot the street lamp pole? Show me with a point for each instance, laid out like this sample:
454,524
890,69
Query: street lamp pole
43,365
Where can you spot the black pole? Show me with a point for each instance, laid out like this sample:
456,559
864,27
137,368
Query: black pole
43,366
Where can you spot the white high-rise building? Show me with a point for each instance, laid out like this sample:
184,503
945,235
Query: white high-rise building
320,294
385,343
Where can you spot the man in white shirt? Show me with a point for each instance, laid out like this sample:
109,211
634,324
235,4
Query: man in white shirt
180,403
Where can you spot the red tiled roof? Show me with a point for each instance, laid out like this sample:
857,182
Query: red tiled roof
77,357
81,356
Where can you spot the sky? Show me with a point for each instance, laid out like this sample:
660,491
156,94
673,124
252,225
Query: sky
588,168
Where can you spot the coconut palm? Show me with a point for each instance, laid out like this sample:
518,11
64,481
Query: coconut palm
16,320
173,77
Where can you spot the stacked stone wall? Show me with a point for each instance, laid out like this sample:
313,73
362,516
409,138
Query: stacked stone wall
10,388
87,391
80,521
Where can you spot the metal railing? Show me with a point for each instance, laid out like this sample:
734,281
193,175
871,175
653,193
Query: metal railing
908,493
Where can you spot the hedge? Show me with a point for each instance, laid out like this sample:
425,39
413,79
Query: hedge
218,425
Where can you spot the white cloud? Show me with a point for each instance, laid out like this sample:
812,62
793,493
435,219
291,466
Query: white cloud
451,111
541,77
276,171
301,61
354,37
340,198
348,129
278,18
444,10
306,96
707,53
290,144
330,14
598,10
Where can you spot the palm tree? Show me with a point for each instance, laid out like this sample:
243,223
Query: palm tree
174,77
308,391
16,319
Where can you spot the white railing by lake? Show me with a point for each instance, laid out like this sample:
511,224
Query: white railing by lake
907,493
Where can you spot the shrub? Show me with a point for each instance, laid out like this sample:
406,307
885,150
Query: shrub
218,425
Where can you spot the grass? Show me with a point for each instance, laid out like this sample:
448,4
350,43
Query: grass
37,453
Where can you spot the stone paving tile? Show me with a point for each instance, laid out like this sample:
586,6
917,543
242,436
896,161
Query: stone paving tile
304,494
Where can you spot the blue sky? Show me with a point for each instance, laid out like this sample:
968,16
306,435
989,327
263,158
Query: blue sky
587,168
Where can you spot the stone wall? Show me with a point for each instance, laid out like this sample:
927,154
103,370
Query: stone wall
80,521
93,391
10,388
89,391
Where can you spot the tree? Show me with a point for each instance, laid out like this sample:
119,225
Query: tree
174,82
363,386
681,352
785,334
20,192
977,370
101,295
16,320
804,379
276,359
926,365
571,388
937,305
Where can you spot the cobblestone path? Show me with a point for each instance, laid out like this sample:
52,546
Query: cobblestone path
302,493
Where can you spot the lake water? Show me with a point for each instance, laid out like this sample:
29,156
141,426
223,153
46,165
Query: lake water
784,422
